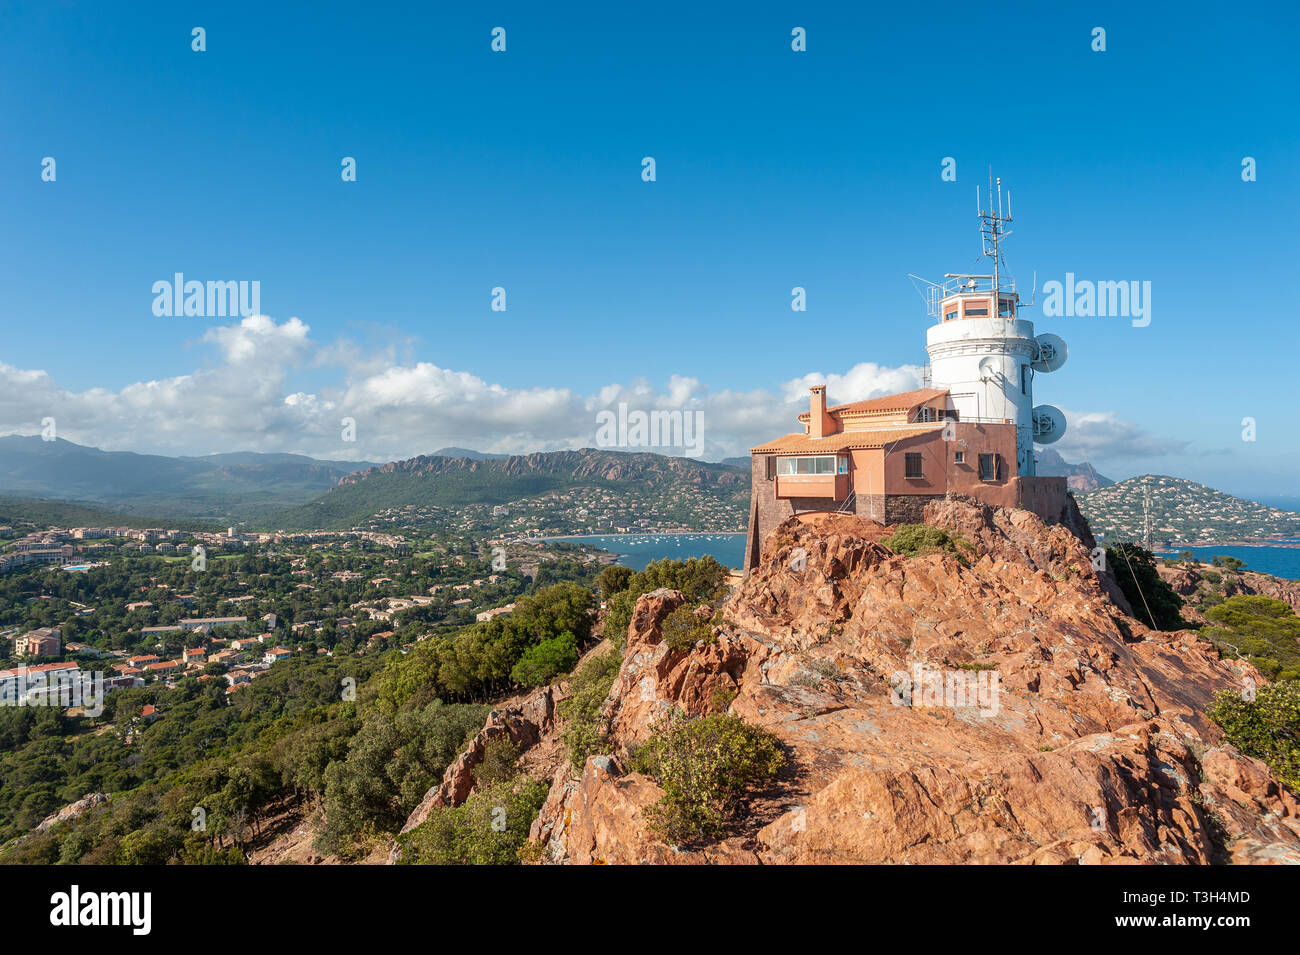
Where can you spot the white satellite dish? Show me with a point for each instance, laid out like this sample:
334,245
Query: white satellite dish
1049,424
1051,352
988,369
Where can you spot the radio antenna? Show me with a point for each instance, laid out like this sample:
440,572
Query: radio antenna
993,227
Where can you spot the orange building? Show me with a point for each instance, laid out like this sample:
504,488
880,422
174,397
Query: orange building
971,431
884,459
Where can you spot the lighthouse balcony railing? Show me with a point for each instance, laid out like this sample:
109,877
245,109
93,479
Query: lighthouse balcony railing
960,419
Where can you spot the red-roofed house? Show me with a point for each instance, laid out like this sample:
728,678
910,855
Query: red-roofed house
885,459
971,430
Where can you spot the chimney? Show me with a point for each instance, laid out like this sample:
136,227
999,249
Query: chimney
820,424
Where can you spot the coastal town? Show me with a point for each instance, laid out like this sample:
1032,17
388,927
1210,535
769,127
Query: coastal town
111,608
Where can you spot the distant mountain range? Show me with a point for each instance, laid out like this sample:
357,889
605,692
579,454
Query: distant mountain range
1079,477
63,481
1181,512
220,487
638,484
454,452
18,512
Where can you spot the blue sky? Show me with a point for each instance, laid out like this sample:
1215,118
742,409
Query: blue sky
522,170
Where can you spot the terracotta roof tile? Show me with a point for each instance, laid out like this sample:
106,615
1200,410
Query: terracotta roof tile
800,443
903,401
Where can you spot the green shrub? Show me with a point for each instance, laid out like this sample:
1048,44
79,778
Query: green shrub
541,664
613,579
706,767
391,763
500,762
618,615
685,627
1267,728
1262,630
489,828
580,713
723,696
1154,602
477,661
914,540
153,846
702,580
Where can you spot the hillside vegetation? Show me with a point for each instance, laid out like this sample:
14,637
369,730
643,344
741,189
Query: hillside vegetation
219,487
1181,512
643,483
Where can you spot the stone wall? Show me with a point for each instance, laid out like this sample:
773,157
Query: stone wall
1045,496
765,510
907,508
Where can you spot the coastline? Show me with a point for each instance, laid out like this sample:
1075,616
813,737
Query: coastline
1284,542
569,537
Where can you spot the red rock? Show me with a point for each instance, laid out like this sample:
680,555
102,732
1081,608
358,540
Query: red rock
1087,754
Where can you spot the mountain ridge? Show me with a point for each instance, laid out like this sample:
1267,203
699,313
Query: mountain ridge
230,486
644,480
1079,477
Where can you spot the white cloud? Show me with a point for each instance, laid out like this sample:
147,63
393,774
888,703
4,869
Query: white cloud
864,380
249,399
1099,435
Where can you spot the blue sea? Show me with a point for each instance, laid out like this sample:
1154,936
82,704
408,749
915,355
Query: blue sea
1267,559
637,550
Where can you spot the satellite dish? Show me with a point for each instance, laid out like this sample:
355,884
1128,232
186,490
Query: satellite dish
1051,352
988,369
1049,424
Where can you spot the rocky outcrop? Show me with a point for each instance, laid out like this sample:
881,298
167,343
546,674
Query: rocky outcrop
655,678
581,465
524,722
1192,584
993,708
71,811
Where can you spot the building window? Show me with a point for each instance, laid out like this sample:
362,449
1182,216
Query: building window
976,311
990,467
822,464
1024,379
843,464
959,457
949,316
1007,308
912,465
771,467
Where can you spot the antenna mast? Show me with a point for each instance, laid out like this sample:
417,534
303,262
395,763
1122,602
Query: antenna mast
993,229
1146,516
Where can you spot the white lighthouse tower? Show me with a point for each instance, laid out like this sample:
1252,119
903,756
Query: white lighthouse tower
984,353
